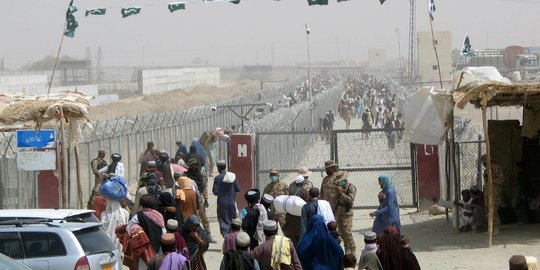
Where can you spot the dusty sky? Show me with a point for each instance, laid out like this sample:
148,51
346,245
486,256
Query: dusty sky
227,34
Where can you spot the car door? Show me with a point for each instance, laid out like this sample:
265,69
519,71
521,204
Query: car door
11,246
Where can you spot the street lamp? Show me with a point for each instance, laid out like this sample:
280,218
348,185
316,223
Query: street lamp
308,31
399,50
241,115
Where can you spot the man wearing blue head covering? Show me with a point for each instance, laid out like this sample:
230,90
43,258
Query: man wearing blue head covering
388,212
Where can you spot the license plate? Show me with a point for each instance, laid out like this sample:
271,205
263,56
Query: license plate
107,267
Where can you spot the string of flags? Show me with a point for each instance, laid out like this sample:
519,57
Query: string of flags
72,24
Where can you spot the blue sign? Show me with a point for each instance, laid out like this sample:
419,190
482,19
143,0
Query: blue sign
41,139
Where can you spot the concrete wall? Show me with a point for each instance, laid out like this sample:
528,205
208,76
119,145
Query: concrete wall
37,84
427,62
156,81
25,84
103,99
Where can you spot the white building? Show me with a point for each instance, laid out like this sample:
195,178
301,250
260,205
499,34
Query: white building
427,62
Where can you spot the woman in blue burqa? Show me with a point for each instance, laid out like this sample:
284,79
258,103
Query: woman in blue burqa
388,212
318,249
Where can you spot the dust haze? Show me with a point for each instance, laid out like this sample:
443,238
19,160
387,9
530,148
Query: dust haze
254,32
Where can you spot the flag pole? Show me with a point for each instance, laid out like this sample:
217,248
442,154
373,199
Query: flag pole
56,59
436,52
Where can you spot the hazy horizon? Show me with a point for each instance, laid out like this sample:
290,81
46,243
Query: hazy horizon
252,32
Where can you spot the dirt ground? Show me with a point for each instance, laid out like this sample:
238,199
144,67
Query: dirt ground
435,242
437,245
175,100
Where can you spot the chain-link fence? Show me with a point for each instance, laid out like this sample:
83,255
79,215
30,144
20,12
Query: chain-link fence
366,154
467,155
286,141
18,188
128,136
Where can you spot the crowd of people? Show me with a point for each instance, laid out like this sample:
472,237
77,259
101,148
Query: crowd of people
371,100
167,216
166,223
165,226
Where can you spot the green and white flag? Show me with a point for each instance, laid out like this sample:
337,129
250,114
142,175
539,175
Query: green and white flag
382,1
431,8
71,22
130,11
95,11
317,2
176,6
466,49
236,2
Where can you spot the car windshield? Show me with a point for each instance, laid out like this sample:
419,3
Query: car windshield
94,240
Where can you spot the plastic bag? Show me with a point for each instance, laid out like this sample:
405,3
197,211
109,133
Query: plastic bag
114,188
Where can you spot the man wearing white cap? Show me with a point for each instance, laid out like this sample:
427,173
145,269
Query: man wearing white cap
239,258
273,258
299,187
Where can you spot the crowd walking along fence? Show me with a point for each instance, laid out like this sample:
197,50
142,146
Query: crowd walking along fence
128,136
364,153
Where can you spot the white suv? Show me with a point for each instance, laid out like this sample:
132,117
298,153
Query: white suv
55,215
41,244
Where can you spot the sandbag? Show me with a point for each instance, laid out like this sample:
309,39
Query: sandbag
114,188
289,204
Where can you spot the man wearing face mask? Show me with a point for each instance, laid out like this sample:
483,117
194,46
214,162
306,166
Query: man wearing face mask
194,173
275,188
328,186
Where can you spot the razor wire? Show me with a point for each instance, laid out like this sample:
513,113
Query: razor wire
126,135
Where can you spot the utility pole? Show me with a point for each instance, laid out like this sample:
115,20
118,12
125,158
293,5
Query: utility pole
399,51
308,31
412,44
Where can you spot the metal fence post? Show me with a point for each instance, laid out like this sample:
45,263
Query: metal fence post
478,166
334,146
257,159
413,175
458,165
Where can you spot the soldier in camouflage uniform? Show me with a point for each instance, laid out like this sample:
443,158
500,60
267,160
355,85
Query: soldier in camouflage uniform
276,187
498,178
345,193
328,186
